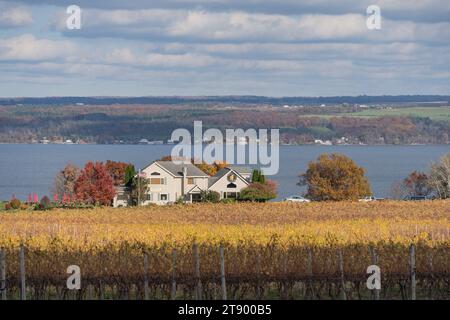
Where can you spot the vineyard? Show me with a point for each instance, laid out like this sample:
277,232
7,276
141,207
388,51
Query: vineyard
233,251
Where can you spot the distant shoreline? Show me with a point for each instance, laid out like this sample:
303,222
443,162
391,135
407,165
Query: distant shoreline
281,145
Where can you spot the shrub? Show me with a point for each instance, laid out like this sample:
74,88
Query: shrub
210,196
180,200
259,192
45,203
15,204
7,206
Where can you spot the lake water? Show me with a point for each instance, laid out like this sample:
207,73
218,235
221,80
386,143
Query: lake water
25,169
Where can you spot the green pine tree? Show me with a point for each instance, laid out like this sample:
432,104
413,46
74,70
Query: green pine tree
130,173
258,176
262,177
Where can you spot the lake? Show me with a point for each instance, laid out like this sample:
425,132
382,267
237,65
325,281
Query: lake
25,169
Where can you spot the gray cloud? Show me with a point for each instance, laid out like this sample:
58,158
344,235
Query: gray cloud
237,26
229,47
414,10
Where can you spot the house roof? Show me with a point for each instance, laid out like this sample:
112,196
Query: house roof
195,189
218,175
223,172
242,170
177,169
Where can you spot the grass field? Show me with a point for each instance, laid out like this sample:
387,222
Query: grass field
273,250
434,113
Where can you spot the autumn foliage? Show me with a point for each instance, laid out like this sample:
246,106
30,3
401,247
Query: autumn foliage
335,177
260,192
95,185
117,171
275,245
417,184
64,185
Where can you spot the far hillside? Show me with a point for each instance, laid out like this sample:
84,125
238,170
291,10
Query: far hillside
337,123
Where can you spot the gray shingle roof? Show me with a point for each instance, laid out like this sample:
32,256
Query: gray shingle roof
242,170
177,169
218,175
224,171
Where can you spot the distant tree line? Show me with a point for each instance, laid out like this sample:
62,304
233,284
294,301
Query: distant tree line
130,123
362,99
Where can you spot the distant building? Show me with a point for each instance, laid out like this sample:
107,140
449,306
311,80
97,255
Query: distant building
156,142
143,141
324,143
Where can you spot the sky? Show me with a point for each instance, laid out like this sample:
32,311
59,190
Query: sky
224,47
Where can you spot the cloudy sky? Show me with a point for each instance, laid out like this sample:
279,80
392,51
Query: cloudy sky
224,47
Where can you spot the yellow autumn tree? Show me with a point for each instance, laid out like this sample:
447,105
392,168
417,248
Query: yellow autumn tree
335,177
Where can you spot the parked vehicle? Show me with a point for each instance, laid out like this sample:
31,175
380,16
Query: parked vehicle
296,199
368,199
418,198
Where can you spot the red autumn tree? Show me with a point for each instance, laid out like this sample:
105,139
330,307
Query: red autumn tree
95,185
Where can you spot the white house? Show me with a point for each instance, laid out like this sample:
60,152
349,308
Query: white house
169,182
229,181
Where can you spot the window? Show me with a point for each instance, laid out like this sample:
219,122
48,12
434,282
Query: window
157,181
190,181
122,197
231,195
164,197
149,197
196,197
231,186
155,174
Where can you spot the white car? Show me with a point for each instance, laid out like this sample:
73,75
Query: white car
296,199
367,199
